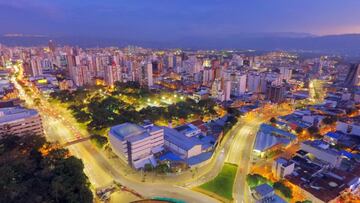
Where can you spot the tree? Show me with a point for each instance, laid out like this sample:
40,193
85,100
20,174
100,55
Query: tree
105,113
329,120
285,190
351,111
272,120
81,116
254,180
313,130
233,111
62,95
32,170
162,168
37,101
99,140
230,122
148,167
299,130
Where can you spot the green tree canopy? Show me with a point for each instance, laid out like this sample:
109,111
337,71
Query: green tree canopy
313,130
254,180
32,170
285,190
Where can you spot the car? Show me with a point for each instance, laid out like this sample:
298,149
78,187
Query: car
105,196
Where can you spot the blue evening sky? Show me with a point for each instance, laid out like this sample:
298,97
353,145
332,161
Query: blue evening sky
170,19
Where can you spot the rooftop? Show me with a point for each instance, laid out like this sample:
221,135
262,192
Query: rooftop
263,189
322,145
326,185
170,156
334,135
11,114
199,158
269,136
125,130
179,139
186,128
283,161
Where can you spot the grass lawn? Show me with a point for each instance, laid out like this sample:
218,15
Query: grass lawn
222,184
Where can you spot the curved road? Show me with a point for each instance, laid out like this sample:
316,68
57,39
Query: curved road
236,148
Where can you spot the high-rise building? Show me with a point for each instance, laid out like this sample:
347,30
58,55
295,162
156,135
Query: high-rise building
238,85
285,73
275,93
208,76
149,74
227,90
20,121
52,46
81,75
353,76
217,91
112,74
170,61
35,67
253,83
70,63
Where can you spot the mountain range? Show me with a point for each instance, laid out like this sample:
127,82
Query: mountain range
347,44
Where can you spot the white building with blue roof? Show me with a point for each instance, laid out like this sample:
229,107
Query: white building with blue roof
268,137
181,144
20,121
137,144
264,193
322,151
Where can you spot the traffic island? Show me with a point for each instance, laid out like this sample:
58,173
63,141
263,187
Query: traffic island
221,187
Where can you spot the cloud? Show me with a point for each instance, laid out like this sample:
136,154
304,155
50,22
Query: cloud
41,7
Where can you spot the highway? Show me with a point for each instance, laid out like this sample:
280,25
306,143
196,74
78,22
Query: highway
240,154
242,146
236,148
98,167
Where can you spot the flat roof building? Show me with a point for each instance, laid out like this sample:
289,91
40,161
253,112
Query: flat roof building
20,121
264,193
282,167
137,144
189,130
268,137
181,144
321,184
322,152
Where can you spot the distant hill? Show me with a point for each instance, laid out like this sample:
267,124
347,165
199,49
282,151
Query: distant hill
348,44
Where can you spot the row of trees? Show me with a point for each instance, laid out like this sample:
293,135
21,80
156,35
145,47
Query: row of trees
130,88
66,96
32,170
99,140
100,113
283,189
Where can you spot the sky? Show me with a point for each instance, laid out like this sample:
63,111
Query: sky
174,19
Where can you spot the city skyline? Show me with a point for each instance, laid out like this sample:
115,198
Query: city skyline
204,101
